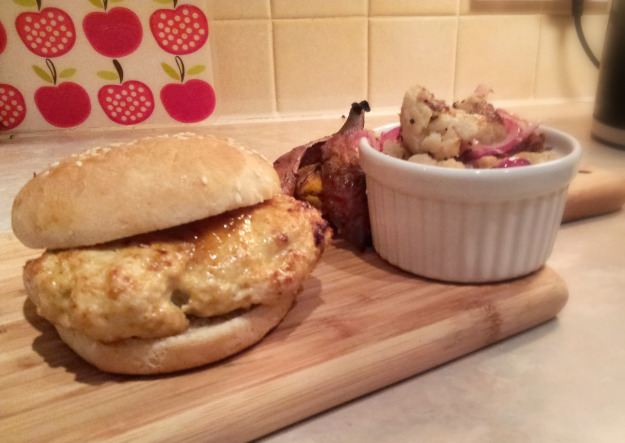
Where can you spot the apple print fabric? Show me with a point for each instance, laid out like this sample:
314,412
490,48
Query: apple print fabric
48,33
12,107
104,63
3,38
129,102
113,33
180,31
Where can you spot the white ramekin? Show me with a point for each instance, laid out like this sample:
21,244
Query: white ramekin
468,225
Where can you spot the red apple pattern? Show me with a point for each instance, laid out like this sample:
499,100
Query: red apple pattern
65,105
47,33
114,33
3,38
187,102
128,103
180,31
12,107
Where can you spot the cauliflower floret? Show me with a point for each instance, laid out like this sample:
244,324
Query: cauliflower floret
425,159
490,161
442,146
466,126
486,124
417,109
451,163
425,126
396,149
422,159
490,132
429,126
415,115
436,134
534,157
487,162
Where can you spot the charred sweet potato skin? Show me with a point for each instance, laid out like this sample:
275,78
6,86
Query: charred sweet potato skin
327,174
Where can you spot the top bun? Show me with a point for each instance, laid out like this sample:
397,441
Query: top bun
132,188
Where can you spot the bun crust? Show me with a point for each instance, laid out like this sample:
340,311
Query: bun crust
206,341
127,189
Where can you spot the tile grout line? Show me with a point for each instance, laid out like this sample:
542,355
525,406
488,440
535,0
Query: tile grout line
536,55
455,73
273,61
368,52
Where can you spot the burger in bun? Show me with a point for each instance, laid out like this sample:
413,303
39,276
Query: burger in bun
165,253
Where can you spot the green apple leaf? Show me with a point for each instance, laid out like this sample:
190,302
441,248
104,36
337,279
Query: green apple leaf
27,3
43,74
170,71
97,4
194,70
162,1
108,75
66,73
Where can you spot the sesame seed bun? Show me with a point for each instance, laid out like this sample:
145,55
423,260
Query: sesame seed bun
108,193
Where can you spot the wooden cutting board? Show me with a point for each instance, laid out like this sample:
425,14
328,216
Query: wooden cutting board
592,192
359,325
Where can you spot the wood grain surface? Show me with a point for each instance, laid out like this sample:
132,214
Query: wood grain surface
359,325
593,192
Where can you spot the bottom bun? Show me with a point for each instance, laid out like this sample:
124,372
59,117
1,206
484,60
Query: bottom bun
207,340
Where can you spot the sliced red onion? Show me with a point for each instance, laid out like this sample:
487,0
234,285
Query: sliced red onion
393,135
482,90
516,131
